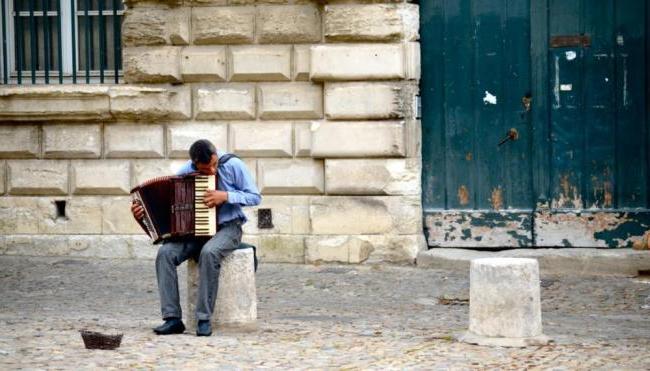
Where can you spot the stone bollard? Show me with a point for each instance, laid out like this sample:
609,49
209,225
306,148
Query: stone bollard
504,303
236,305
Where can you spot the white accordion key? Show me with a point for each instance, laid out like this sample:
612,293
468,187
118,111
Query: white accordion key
205,218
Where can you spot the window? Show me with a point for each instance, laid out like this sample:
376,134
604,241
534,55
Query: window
61,41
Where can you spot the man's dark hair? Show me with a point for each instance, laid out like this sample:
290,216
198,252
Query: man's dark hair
201,151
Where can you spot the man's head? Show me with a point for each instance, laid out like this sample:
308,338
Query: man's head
204,156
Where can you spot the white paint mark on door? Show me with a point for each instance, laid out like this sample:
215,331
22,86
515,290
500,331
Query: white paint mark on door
566,87
489,98
570,55
556,83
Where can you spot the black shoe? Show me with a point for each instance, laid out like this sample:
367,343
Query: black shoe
203,328
171,326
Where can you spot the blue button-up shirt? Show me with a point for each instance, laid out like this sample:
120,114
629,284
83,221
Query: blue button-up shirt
234,178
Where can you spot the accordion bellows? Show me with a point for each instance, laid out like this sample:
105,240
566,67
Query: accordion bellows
173,206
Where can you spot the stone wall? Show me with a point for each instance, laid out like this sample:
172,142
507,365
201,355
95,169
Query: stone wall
317,97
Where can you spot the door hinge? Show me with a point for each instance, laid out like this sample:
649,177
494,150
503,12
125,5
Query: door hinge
417,107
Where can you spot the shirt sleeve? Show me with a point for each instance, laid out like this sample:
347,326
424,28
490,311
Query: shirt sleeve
245,192
185,169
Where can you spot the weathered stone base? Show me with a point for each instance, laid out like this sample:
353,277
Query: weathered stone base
91,246
471,338
573,261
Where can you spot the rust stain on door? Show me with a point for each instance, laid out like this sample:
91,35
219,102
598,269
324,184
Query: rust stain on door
463,195
496,199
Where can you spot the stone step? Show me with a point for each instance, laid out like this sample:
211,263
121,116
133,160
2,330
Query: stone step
573,261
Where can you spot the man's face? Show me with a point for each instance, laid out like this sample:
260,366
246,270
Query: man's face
209,168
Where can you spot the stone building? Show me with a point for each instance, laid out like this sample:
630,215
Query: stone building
534,127
318,98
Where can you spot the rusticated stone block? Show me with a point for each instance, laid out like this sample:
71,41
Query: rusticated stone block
289,215
223,25
280,248
339,249
373,176
19,141
401,249
3,167
357,139
181,136
134,140
151,103
412,61
357,62
19,215
225,101
156,26
152,64
290,101
260,63
371,22
54,102
288,24
149,4
72,141
302,139
369,101
203,63
280,176
117,217
301,62
265,139
82,215
37,177
144,170
365,215
101,177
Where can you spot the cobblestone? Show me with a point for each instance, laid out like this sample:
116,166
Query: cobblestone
310,317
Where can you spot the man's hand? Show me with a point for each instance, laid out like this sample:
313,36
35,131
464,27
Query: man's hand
137,210
215,198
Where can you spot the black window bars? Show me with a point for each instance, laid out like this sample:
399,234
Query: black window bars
46,41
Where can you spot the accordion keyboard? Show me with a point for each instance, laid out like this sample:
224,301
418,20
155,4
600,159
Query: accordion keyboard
205,218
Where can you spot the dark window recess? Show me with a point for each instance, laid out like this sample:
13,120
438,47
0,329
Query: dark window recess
264,219
60,209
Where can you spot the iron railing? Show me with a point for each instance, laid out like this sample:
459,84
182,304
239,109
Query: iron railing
64,41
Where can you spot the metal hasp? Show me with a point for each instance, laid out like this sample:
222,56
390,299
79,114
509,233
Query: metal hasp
572,164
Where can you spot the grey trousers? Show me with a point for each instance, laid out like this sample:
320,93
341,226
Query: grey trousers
172,254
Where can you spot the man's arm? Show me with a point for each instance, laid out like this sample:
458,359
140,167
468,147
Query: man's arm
246,192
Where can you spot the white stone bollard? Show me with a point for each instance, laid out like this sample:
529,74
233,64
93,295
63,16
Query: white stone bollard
504,303
236,305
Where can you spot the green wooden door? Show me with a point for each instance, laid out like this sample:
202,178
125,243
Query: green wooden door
575,172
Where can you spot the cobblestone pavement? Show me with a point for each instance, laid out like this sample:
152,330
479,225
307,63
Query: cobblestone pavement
310,317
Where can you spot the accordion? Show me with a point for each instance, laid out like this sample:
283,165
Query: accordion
173,207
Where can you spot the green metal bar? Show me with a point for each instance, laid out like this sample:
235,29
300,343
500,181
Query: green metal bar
19,42
60,54
88,43
46,40
117,45
33,40
4,44
74,41
102,41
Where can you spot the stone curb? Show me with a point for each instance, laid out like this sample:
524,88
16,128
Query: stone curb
572,261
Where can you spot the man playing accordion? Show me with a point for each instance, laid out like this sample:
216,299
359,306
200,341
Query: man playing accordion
235,189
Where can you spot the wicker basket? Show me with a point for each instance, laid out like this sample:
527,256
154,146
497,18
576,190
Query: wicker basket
96,340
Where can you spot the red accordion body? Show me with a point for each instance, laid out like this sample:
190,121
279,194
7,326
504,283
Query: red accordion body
174,206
